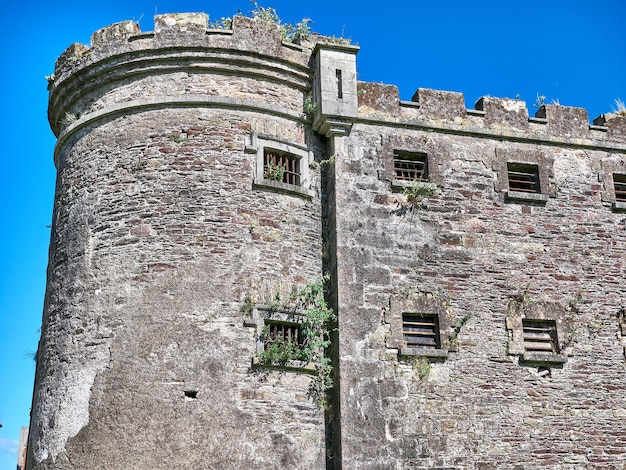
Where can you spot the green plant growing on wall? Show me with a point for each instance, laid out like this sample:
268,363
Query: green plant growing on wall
247,305
316,328
266,14
522,298
288,31
418,191
178,137
275,172
70,118
299,30
280,350
223,23
329,161
453,339
573,320
421,367
539,101
342,41
310,106
275,303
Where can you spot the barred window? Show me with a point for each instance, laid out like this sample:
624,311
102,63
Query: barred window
523,177
540,336
410,166
421,330
281,166
619,184
276,333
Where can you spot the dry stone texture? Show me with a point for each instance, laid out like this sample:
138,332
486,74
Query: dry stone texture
165,235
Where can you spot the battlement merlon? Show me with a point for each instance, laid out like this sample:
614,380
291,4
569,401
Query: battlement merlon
494,117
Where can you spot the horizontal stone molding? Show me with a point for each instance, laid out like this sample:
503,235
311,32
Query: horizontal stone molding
65,95
168,101
491,134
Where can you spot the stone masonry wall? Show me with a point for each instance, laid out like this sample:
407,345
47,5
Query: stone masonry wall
159,238
473,256
168,239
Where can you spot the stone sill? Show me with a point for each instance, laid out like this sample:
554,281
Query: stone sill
424,352
282,188
291,366
401,184
619,206
543,358
521,196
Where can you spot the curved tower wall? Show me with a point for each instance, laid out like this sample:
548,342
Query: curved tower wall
159,236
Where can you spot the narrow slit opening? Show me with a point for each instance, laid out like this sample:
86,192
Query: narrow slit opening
339,84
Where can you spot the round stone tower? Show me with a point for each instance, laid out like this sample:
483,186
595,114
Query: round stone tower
170,224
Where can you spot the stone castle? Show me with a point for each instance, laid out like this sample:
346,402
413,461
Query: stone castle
212,181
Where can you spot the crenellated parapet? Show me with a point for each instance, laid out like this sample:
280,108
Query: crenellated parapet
182,60
491,116
186,61
179,30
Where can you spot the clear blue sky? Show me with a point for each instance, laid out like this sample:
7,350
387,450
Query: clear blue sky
572,51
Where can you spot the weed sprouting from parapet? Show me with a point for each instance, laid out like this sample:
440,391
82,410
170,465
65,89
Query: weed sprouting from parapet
289,32
223,23
539,101
620,107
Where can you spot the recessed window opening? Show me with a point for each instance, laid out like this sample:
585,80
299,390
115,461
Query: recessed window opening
540,336
421,330
280,166
410,166
339,84
523,177
282,333
619,182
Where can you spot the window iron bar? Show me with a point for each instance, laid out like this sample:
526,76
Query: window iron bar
540,336
523,178
420,330
410,167
288,164
619,184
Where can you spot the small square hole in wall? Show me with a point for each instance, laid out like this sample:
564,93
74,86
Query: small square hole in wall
540,336
421,330
410,166
523,177
281,166
619,184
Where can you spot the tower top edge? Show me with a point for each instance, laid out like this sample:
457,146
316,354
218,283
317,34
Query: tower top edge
193,30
